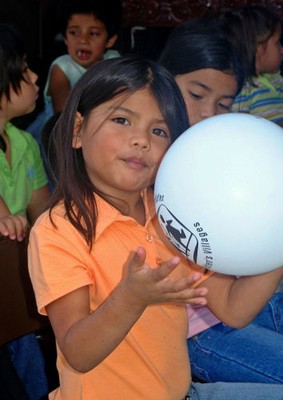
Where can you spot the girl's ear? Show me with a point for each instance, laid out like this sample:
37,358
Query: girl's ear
111,41
77,142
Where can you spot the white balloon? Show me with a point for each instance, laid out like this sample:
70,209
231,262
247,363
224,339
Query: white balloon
219,194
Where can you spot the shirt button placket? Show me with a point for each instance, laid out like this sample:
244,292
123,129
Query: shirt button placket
149,238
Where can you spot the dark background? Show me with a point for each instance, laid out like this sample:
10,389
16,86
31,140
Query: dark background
146,25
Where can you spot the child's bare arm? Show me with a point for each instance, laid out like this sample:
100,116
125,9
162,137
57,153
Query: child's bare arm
4,210
38,202
236,302
86,339
59,88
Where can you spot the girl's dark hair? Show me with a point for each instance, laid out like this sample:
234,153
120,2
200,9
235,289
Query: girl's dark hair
104,81
12,56
107,11
245,28
199,44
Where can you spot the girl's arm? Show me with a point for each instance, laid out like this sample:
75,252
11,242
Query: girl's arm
12,226
4,210
59,88
38,202
236,302
86,339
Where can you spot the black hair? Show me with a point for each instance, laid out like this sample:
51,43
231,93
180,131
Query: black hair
12,57
107,11
104,81
245,28
199,44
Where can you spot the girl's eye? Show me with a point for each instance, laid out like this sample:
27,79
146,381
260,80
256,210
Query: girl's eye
121,120
160,132
225,107
195,96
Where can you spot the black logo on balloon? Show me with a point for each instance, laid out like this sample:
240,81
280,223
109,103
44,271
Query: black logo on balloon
180,236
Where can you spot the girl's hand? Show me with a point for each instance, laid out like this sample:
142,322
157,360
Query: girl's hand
146,285
14,227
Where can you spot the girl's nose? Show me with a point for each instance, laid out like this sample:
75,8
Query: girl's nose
140,139
209,110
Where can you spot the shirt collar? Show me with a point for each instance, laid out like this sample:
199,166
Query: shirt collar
108,215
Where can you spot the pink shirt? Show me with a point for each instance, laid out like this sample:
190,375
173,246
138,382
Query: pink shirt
200,319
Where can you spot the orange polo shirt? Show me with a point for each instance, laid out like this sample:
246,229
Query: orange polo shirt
152,361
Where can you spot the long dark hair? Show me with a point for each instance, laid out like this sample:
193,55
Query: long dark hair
102,82
199,44
245,28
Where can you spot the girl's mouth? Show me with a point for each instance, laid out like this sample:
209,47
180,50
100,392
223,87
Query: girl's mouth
135,162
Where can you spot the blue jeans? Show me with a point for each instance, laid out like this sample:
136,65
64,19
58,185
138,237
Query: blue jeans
251,354
235,391
28,361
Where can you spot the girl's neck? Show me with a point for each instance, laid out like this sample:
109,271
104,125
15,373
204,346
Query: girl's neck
132,207
5,145
138,211
3,122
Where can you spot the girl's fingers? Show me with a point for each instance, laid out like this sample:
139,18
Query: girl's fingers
138,259
165,269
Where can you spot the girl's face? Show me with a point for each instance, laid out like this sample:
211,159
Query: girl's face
269,54
123,142
86,39
207,92
24,101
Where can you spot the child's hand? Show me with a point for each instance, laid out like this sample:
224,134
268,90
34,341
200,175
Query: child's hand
14,226
147,285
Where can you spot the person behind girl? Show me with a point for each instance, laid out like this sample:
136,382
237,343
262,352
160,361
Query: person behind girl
255,31
90,28
220,347
23,181
206,68
111,284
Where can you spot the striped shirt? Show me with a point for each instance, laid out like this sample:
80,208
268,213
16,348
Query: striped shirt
263,97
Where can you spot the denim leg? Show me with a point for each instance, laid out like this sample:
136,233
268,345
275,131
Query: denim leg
271,316
251,354
28,361
235,391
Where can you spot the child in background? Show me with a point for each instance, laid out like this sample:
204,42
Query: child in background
255,31
205,67
90,28
23,181
111,284
209,75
